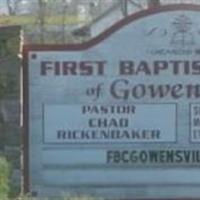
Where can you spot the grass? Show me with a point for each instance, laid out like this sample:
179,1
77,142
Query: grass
64,198
68,197
31,20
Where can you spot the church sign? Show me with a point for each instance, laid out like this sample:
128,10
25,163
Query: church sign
118,116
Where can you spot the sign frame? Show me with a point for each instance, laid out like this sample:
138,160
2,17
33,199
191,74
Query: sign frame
75,47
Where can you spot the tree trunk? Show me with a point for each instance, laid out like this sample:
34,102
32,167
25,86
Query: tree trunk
124,7
9,6
153,3
41,17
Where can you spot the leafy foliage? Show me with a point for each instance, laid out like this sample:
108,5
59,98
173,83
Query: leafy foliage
8,85
4,178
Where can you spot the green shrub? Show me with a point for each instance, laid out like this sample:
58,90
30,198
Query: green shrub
4,178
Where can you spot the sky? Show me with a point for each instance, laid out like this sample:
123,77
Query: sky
3,7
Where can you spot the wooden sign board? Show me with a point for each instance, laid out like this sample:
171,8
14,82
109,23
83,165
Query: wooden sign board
118,116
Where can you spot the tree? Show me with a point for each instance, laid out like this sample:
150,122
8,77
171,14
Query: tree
153,3
12,6
65,4
9,6
41,18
